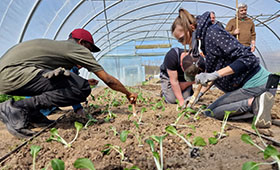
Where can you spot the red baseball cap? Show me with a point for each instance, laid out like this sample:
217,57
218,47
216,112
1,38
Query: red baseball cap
83,34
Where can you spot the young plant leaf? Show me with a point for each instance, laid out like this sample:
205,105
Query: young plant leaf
213,140
57,164
250,166
130,108
151,143
247,139
171,130
199,141
132,168
84,163
123,135
34,149
78,126
156,155
270,151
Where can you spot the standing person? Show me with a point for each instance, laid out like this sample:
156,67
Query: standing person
233,68
214,21
40,68
246,28
173,84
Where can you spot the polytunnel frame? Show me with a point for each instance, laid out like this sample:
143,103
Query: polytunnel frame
158,3
36,4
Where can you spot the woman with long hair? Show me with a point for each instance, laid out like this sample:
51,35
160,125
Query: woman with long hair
232,67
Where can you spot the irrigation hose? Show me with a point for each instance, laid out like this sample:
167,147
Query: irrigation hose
31,138
254,133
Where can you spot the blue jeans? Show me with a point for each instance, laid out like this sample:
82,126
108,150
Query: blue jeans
236,101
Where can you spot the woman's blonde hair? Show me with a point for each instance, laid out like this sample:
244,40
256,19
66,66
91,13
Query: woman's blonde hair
185,19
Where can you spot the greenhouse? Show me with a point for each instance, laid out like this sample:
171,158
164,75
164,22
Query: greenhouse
142,126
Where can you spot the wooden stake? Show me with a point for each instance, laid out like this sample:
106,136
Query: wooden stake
237,36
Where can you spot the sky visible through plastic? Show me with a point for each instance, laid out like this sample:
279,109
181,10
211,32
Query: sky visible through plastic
117,26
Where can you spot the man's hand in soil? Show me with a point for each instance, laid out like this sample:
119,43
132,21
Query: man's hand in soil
92,82
132,98
56,72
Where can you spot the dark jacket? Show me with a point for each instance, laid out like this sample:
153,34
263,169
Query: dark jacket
221,50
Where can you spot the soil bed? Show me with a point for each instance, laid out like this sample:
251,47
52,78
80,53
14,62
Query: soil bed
229,153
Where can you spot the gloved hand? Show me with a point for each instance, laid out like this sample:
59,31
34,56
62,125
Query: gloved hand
56,72
204,78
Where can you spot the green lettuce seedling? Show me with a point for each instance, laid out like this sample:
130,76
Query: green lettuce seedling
109,147
155,153
84,163
141,115
132,168
90,121
114,130
268,151
183,113
159,139
214,140
172,130
34,150
57,164
123,135
55,136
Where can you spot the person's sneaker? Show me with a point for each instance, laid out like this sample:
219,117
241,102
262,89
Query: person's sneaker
262,106
37,119
15,119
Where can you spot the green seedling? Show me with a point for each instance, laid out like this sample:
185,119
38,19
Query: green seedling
123,135
132,168
114,130
172,130
56,137
90,121
218,136
109,147
34,150
155,153
184,112
268,151
84,163
199,141
56,164
141,115
159,139
159,105
194,152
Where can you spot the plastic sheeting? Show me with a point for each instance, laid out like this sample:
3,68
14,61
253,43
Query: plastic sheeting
114,23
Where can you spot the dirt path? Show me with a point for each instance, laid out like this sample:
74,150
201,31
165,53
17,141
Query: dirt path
229,153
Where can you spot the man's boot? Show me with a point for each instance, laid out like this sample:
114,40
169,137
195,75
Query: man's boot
15,119
37,119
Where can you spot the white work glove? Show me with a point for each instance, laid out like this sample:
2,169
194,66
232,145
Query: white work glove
56,72
204,78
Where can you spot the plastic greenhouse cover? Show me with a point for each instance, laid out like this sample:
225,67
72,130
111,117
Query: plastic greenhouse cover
114,23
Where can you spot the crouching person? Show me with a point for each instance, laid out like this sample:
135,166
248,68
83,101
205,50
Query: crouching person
173,84
40,69
249,88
